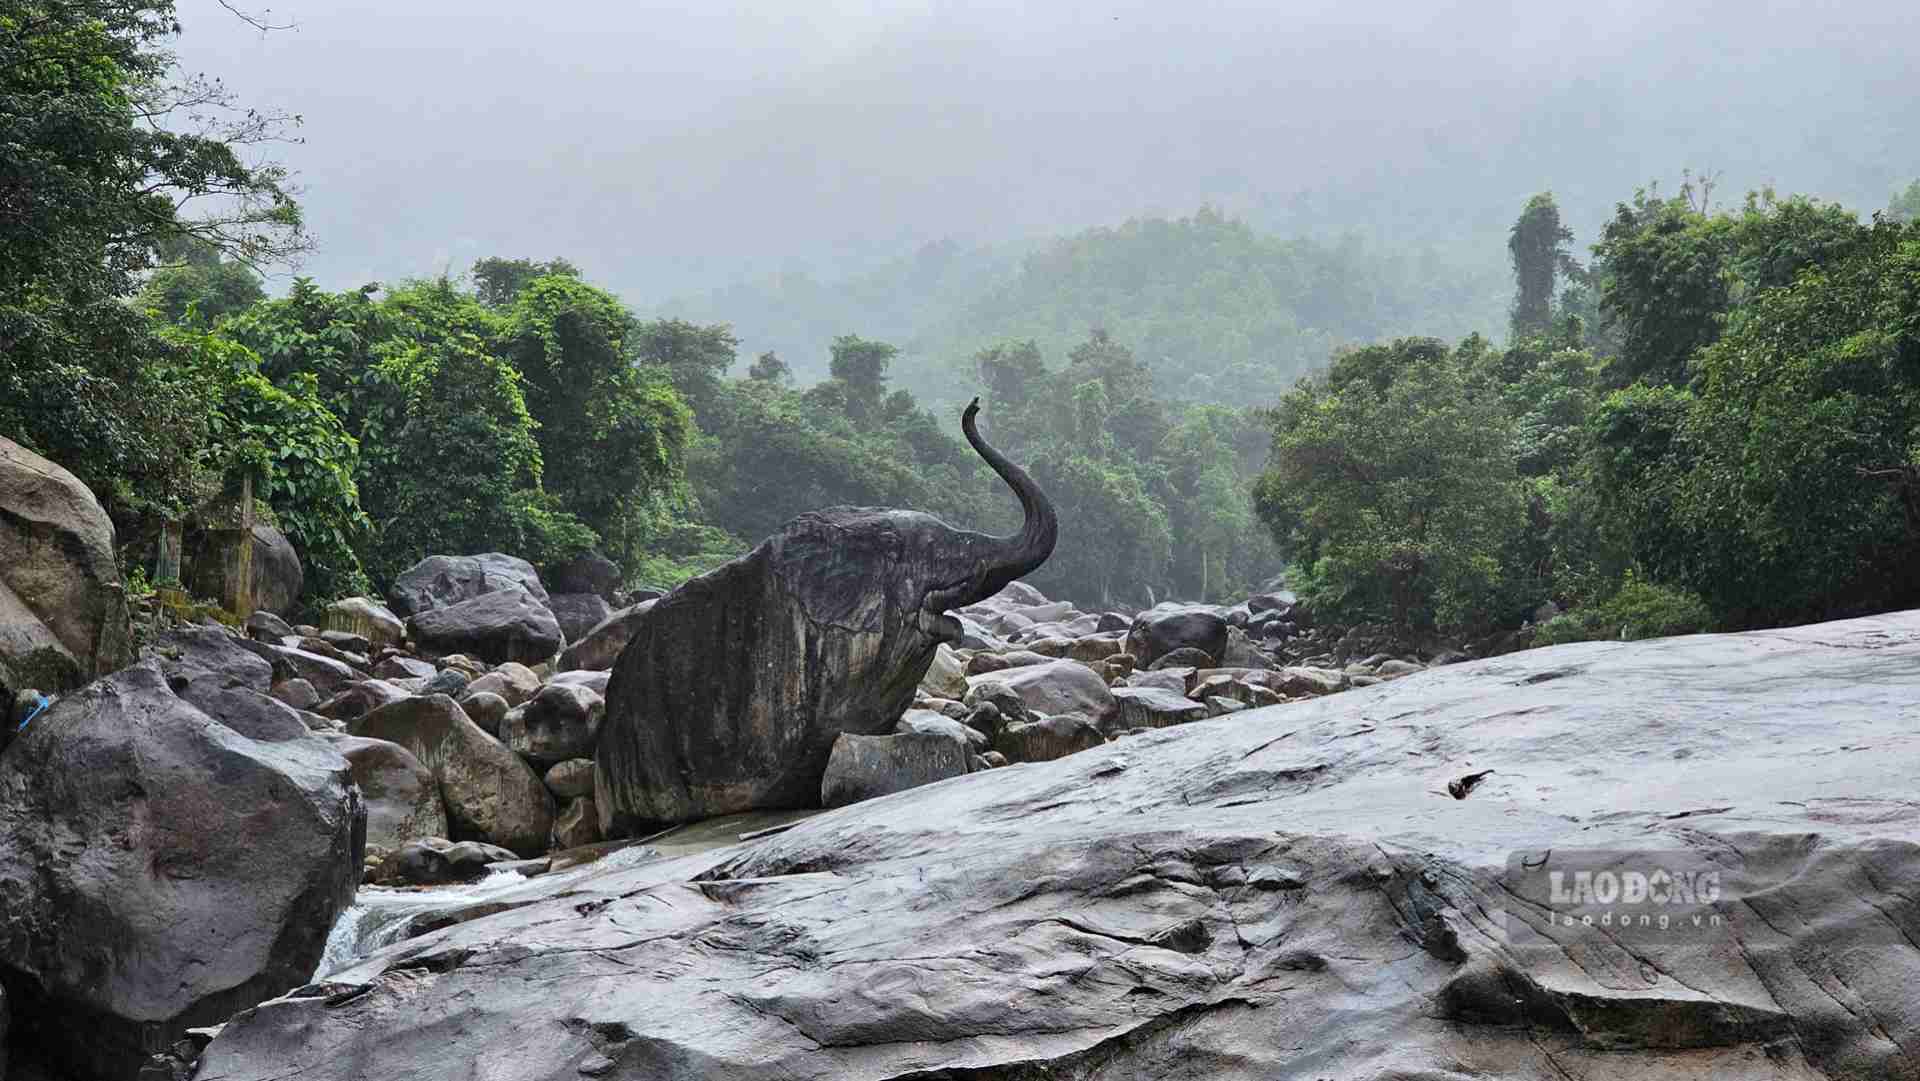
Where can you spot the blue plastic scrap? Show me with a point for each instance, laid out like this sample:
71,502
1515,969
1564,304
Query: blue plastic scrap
39,707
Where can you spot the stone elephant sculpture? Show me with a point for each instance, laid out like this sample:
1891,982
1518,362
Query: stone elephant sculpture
733,688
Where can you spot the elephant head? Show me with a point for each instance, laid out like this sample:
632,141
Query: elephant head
734,686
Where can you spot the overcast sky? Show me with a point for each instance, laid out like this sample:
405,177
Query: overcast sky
669,150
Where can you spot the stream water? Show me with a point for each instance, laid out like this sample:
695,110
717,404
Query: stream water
379,916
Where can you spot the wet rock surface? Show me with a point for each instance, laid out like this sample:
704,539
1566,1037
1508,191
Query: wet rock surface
1293,891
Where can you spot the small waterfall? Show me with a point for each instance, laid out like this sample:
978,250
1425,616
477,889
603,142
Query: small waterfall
379,916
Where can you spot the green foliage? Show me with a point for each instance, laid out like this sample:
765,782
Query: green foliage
1639,609
300,456
1537,246
1905,205
497,282
694,358
1392,485
197,286
613,436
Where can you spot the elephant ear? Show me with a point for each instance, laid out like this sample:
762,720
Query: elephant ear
845,567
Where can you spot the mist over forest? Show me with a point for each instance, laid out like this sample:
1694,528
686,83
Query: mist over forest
762,164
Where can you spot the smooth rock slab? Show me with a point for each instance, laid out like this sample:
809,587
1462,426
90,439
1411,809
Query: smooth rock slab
1282,893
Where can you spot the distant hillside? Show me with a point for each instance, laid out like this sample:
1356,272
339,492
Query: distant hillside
1221,312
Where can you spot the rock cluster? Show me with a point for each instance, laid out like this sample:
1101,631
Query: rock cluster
1304,891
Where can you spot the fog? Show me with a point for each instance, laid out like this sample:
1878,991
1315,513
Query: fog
669,151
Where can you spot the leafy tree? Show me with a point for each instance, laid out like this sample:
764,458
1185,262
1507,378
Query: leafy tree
769,368
499,282
695,358
860,366
1905,205
1114,537
197,285
1391,484
613,436
105,156
1538,248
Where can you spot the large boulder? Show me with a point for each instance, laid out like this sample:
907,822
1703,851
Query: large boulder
1153,707
578,613
489,793
368,618
402,797
1287,892
560,722
596,650
866,767
444,581
498,626
1057,687
277,574
1048,738
161,871
1164,628
63,611
589,572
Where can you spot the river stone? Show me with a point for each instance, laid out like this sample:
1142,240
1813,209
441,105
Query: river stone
395,668
360,698
500,626
577,824
601,646
485,709
1281,893
571,778
368,617
1057,687
402,798
588,573
578,613
514,682
1048,738
489,793
560,722
444,581
436,861
1154,707
946,677
593,681
63,611
219,675
1164,628
159,870
866,767
927,722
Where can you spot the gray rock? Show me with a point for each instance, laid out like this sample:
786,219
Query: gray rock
369,618
333,651
267,627
215,672
1175,678
447,681
327,675
1059,687
1155,707
1299,681
946,677
571,778
499,626
867,767
348,642
395,668
593,681
927,722
1281,893
577,824
402,798
1184,658
444,581
435,861
578,613
297,693
589,573
486,709
560,722
490,794
986,662
1164,628
514,682
1048,738
63,612
360,698
159,870
600,647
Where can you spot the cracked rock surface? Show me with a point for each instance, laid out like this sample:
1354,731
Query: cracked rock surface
1286,892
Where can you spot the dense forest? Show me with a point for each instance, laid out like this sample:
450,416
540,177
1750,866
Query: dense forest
1709,418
